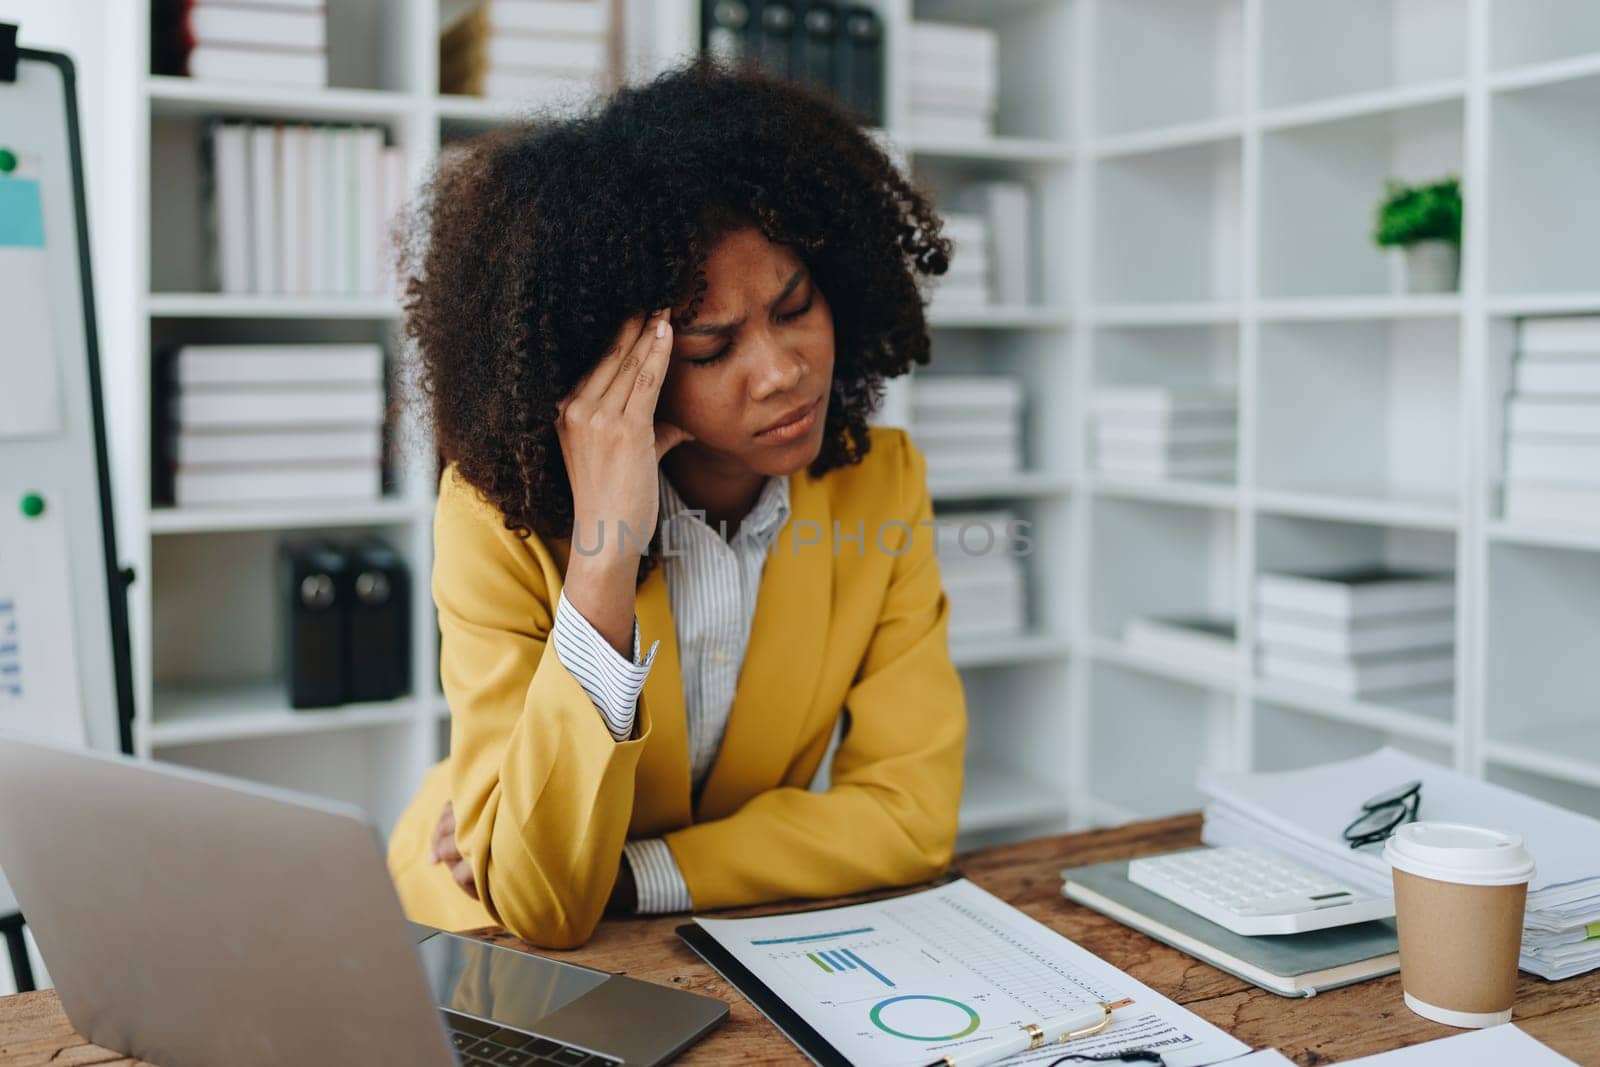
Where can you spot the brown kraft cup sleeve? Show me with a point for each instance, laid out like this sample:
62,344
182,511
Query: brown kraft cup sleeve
1459,943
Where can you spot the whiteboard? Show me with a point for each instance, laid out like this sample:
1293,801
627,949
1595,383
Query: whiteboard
64,665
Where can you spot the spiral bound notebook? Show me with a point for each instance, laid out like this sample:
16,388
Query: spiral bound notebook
1291,965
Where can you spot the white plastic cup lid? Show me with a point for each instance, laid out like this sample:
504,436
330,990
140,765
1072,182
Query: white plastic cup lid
1454,852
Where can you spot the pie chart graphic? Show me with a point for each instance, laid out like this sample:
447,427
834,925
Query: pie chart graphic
921,1017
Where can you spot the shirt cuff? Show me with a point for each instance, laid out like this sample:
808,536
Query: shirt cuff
612,681
660,884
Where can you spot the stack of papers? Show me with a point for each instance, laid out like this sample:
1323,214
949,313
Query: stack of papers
1302,814
1553,422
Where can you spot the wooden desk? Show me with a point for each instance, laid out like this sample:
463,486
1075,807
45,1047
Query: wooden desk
1339,1025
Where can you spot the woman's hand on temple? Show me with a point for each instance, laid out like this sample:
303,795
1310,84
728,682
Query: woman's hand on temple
612,446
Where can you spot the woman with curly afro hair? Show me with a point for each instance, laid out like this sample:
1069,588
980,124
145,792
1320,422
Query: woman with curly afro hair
671,557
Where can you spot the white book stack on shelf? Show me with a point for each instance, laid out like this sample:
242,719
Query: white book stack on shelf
1552,466
955,81
1006,209
255,424
968,282
1362,632
266,42
303,210
550,51
1152,431
968,426
982,574
1201,642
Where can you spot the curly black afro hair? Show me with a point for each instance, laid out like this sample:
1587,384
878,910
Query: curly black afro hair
539,239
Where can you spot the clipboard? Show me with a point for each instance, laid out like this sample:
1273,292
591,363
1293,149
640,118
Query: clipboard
778,1013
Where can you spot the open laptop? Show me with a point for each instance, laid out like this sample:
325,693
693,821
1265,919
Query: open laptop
192,919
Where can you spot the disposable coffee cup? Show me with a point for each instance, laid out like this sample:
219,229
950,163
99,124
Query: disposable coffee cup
1459,895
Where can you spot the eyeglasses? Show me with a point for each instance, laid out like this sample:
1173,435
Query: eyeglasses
1383,814
1138,1055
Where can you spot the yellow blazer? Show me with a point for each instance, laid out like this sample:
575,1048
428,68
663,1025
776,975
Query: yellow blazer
545,797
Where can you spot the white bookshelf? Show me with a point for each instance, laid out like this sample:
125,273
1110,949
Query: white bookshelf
1205,174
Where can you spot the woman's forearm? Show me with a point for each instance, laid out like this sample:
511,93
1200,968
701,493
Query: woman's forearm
602,587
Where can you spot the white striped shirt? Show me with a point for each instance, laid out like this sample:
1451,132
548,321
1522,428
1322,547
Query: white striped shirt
712,584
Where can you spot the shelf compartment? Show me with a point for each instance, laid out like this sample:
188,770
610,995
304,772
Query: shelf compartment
1543,629
177,97
1549,535
1178,62
1431,723
222,306
1366,413
996,798
1159,559
1294,543
1544,222
1183,494
372,769
998,317
1148,736
1120,654
201,715
1168,227
988,149
1034,84
1290,736
1341,166
1526,32
1312,50
1000,487
1336,309
1160,140
1362,104
1581,795
330,515
973,654
1571,754
1195,313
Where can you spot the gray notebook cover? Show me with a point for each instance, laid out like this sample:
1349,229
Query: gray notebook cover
1285,955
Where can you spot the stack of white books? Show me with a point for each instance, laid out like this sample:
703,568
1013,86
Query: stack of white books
981,568
1006,208
1202,642
1363,632
955,80
968,426
304,210
254,424
1153,431
1301,814
270,42
550,51
1553,422
967,283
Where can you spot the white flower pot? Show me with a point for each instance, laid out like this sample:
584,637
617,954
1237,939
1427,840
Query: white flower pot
1432,267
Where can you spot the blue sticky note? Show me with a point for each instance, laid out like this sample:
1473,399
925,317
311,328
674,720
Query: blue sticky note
21,218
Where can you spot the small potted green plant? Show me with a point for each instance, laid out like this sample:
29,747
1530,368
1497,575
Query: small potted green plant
1424,220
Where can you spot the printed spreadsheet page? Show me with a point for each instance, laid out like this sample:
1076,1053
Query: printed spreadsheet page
905,981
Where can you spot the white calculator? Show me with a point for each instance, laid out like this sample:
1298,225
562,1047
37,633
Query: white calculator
1252,892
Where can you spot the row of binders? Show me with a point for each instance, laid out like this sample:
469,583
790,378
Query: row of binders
267,42
980,567
552,51
262,424
968,426
834,46
1151,431
989,225
955,81
1369,632
1552,444
303,210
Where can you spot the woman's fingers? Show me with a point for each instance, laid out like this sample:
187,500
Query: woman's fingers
443,848
596,383
655,354
462,873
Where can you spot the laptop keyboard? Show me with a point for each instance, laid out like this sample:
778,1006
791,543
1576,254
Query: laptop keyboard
480,1044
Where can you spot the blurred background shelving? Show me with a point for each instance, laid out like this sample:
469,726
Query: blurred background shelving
1200,218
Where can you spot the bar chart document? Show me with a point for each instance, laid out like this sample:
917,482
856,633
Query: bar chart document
945,971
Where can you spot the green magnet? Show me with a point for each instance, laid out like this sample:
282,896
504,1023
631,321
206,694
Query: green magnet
32,505
8,161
